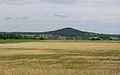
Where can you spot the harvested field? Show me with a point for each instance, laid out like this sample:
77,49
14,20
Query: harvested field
60,58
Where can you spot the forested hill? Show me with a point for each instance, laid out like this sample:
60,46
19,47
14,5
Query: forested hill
65,33
72,33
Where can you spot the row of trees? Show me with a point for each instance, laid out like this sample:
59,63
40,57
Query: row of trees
47,36
18,36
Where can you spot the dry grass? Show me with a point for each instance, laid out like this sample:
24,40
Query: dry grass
63,45
60,58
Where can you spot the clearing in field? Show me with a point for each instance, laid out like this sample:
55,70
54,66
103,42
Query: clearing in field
60,58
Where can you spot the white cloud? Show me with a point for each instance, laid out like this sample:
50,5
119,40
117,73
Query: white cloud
61,15
15,2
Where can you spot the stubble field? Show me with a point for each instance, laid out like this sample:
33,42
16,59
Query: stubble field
60,58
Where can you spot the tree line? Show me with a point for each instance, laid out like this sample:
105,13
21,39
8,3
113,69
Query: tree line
18,36
40,36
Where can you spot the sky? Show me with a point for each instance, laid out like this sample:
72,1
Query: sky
101,16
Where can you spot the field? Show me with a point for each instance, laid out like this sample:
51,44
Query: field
59,57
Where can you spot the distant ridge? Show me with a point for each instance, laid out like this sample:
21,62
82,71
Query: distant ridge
71,32
65,33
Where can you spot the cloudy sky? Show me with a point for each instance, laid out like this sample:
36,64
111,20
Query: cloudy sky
101,16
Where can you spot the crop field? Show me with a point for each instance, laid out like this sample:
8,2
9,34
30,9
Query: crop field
60,58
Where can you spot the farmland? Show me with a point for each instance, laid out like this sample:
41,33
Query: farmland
59,57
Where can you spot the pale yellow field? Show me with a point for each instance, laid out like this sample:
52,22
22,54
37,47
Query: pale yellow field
65,45
60,58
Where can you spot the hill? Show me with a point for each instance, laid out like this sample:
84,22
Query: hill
65,33
77,34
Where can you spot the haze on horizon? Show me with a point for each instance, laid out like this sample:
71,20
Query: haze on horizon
102,16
